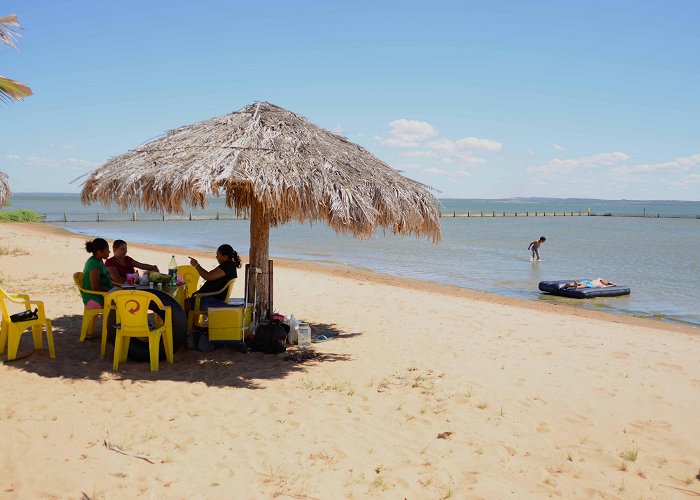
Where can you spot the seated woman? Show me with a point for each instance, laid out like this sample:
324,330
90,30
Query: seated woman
121,264
95,274
215,279
596,283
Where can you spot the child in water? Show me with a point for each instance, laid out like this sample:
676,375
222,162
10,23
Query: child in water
535,247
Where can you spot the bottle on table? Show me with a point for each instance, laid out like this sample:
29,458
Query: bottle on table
172,270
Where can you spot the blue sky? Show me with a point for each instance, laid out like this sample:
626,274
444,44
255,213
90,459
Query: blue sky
477,99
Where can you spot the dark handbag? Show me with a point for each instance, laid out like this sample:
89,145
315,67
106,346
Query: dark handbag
25,316
269,337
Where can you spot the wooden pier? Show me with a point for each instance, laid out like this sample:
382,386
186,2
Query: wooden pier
151,216
491,213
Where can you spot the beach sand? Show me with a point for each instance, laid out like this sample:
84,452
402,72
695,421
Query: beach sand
428,391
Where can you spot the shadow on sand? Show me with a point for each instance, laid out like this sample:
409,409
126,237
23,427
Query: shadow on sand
223,367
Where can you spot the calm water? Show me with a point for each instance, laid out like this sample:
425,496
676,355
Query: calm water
658,258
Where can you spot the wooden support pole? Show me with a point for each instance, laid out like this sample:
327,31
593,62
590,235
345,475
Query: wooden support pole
259,257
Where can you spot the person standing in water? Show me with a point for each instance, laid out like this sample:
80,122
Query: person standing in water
535,247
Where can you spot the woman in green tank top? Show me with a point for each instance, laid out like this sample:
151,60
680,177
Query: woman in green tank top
95,274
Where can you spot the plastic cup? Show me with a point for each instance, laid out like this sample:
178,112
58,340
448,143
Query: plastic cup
180,279
150,285
130,278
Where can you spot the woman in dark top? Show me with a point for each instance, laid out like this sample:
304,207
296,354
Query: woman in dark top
215,279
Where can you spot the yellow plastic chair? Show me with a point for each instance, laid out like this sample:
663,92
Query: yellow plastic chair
89,315
197,313
11,332
132,321
190,277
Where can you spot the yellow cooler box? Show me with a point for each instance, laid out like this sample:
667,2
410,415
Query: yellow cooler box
229,323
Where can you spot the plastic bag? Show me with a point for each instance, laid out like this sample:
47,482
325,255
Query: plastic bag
293,335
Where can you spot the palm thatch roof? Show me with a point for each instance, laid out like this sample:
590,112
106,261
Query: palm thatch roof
266,155
4,188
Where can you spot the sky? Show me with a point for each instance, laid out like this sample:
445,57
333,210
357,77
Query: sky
492,99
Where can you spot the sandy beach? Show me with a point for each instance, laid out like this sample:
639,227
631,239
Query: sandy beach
428,391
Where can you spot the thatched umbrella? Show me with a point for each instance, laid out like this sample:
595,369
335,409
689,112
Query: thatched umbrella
4,188
274,166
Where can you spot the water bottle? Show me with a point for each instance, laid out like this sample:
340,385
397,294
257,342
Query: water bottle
172,271
304,336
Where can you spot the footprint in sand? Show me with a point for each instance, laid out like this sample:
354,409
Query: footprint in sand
470,477
653,424
543,427
621,355
577,419
671,367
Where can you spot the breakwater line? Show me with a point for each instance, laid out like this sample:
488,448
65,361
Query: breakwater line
195,216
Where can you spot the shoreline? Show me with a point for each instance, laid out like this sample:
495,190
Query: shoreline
416,284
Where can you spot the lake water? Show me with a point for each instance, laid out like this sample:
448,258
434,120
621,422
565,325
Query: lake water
658,258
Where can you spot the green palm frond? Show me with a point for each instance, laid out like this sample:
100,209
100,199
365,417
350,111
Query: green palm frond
10,90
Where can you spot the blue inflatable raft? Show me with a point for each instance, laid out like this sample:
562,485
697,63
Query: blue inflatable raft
557,288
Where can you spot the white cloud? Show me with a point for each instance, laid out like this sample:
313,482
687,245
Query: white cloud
395,143
477,143
53,163
412,130
462,173
687,183
454,150
531,151
444,146
682,164
419,154
64,147
339,129
407,133
81,164
433,170
38,161
557,146
559,167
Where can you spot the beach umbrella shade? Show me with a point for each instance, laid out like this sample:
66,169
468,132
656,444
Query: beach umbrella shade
273,166
4,188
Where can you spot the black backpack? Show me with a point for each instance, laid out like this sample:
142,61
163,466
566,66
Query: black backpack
270,337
